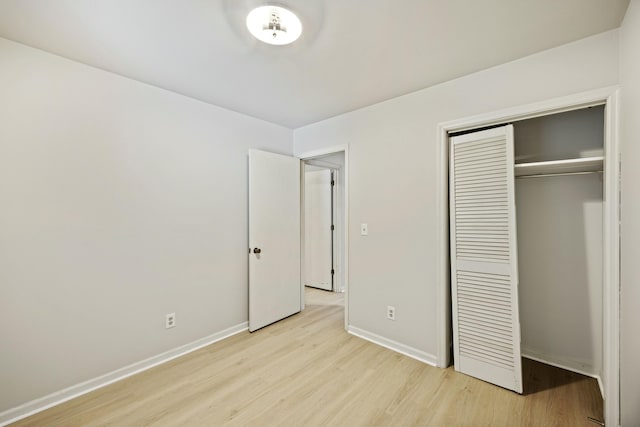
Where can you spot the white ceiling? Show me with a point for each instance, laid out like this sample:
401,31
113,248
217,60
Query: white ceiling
352,53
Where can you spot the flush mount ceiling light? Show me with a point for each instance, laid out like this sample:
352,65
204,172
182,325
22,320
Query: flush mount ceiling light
274,25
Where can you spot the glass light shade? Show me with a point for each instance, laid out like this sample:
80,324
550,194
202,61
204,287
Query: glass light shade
274,25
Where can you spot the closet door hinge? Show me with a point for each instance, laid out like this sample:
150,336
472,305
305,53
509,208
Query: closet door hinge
333,272
333,227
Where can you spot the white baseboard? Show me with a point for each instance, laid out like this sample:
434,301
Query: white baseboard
579,367
56,398
601,385
414,353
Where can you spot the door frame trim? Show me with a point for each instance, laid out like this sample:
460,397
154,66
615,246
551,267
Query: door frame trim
312,154
608,96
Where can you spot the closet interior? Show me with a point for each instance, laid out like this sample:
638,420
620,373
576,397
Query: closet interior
526,208
559,217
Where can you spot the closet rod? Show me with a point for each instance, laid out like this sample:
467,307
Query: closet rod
542,175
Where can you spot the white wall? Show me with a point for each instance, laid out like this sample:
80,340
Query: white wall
630,228
392,161
120,202
559,222
568,135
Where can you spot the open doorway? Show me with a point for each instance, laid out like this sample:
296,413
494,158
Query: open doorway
324,227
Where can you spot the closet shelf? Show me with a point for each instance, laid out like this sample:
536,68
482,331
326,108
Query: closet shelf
586,164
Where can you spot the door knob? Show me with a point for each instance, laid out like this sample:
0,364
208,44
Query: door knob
257,250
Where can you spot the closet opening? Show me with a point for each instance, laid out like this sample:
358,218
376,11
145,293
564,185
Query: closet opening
526,252
535,250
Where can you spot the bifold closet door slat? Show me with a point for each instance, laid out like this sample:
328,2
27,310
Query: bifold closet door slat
484,264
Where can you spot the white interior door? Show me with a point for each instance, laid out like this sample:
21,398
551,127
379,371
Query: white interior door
484,262
318,233
274,238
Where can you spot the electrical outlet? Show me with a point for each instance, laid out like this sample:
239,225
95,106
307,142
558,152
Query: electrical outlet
170,320
364,230
391,312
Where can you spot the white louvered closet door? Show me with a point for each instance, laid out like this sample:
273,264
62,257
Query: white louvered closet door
484,262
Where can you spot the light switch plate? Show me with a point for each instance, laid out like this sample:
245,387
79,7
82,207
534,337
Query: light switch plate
364,230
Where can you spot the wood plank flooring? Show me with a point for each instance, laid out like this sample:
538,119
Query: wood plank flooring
307,371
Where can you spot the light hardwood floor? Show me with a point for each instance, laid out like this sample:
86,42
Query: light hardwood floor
307,371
